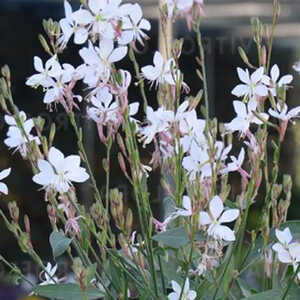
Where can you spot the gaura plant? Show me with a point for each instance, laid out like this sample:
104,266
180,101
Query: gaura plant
201,248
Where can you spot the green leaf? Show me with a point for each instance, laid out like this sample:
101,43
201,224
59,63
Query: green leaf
59,243
268,295
174,238
67,291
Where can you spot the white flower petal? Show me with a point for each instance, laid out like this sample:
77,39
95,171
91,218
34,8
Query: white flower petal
216,207
3,188
38,64
56,158
243,75
118,54
5,173
229,215
275,73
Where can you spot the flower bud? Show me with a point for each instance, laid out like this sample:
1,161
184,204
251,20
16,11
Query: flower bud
244,57
129,221
3,104
4,88
80,273
51,210
177,48
105,164
6,72
44,44
97,214
52,134
14,211
276,191
121,144
287,183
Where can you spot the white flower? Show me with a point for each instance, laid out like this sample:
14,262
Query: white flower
216,217
282,113
288,251
284,237
16,138
161,72
197,163
92,70
51,70
158,121
272,82
3,174
58,172
98,61
187,293
49,275
252,85
104,109
245,116
133,26
236,164
69,26
100,17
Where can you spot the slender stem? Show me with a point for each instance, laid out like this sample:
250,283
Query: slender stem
138,75
203,65
85,157
274,23
16,270
162,274
108,148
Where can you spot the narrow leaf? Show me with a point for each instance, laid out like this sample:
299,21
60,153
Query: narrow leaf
67,291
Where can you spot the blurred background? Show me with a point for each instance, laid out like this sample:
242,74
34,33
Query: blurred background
225,27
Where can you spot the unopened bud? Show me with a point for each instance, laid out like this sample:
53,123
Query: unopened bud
14,211
27,224
129,221
121,144
4,88
276,191
80,273
196,100
97,215
244,57
177,48
6,72
52,133
105,163
264,56
51,210
287,183
45,44
44,145
3,104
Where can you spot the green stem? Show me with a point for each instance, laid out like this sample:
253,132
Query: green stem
85,157
274,23
138,75
203,65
